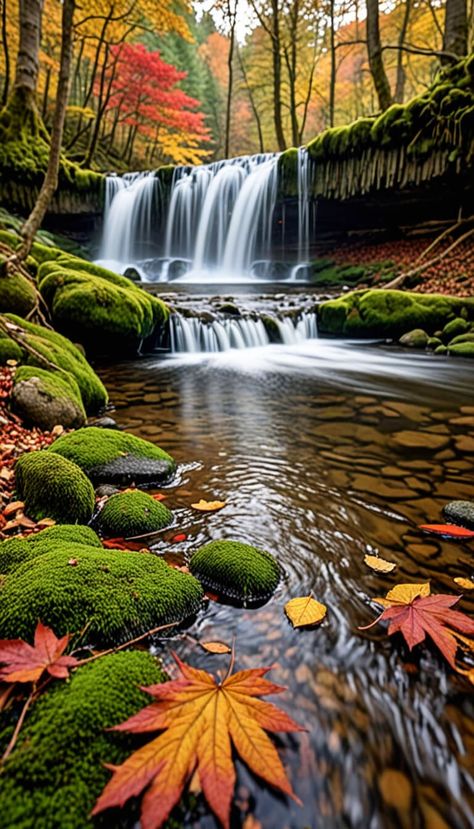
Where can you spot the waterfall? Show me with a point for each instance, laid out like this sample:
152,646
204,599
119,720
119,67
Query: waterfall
131,204
190,334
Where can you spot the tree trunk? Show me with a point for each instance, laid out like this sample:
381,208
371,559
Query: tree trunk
400,83
27,64
253,105
231,13
276,54
455,28
332,80
50,182
6,54
374,50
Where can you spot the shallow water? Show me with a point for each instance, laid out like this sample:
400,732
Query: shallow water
324,452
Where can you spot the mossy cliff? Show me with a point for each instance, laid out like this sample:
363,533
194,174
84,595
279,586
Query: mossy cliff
408,144
57,771
379,313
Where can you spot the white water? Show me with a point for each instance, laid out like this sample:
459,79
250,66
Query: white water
191,335
219,223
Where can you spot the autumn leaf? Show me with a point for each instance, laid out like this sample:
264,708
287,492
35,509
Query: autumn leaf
413,612
178,538
26,663
379,564
208,506
464,584
304,611
200,720
216,647
448,530
121,544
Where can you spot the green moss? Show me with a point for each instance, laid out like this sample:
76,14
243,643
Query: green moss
461,338
118,595
236,570
53,487
384,313
17,295
52,347
17,551
454,328
415,339
132,513
462,349
288,173
92,448
56,773
9,350
47,398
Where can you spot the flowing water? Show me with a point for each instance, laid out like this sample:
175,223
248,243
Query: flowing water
324,452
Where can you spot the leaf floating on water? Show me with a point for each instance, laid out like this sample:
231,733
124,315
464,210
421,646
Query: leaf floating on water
464,584
200,721
379,564
448,530
178,538
216,647
305,611
158,496
413,612
208,506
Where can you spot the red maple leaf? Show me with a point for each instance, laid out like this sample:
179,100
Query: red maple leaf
27,663
413,612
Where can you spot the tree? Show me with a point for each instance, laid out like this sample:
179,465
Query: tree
455,28
374,51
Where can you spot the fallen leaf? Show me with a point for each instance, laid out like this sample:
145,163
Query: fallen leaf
179,537
13,507
216,647
46,522
121,544
26,663
200,720
413,612
208,506
159,497
379,564
73,562
448,530
305,611
464,584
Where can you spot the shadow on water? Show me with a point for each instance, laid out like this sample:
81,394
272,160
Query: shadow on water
326,451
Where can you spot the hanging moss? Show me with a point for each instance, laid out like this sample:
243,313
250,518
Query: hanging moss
118,595
109,456
53,487
132,513
236,570
56,772
17,551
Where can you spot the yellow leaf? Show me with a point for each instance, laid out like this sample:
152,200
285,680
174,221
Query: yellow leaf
208,506
404,594
216,647
379,564
305,611
465,584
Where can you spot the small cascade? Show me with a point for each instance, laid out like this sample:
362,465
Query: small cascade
193,335
131,205
304,203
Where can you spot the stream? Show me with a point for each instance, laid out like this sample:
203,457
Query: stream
325,451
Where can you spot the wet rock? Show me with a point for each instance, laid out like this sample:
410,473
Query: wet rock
105,422
133,274
229,308
460,512
464,443
415,339
420,440
454,328
441,349
433,342
105,491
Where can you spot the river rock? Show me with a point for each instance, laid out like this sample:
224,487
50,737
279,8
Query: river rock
460,512
415,339
454,328
420,440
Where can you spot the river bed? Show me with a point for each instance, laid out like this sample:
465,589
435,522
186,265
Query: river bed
324,452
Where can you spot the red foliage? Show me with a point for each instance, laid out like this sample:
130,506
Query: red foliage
27,663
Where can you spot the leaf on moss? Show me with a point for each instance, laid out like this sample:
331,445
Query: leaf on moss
27,663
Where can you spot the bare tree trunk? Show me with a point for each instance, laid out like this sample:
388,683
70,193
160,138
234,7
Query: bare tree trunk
400,82
374,50
6,54
253,105
276,53
231,14
50,182
27,64
455,28
332,81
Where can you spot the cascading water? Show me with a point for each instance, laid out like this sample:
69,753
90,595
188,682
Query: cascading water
192,335
218,226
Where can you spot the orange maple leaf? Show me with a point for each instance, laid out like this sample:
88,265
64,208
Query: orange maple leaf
200,720
26,663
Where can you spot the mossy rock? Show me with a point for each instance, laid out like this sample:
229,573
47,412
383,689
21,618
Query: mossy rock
10,350
461,349
462,338
271,327
111,456
46,398
454,328
235,570
16,551
117,594
17,295
415,339
433,342
385,313
57,771
441,349
52,348
132,513
53,487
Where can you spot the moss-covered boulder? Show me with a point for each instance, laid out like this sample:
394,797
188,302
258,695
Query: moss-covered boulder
53,487
415,339
132,513
105,311
461,349
17,295
454,328
47,398
48,348
10,350
57,771
235,570
117,594
111,456
16,551
386,313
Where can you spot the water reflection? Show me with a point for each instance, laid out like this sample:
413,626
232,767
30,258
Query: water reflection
324,452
